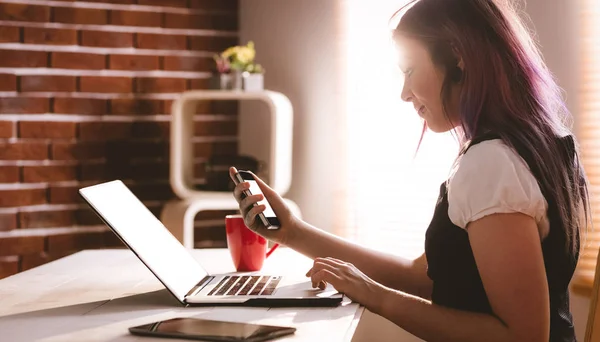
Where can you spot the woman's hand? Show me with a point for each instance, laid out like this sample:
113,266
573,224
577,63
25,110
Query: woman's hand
347,279
250,212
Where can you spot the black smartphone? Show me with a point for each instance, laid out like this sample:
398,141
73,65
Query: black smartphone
267,217
209,330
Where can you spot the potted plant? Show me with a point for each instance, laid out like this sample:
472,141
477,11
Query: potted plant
237,70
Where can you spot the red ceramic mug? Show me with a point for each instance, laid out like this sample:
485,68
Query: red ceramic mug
248,249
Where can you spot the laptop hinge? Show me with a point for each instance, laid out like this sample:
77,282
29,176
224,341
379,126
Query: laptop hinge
200,286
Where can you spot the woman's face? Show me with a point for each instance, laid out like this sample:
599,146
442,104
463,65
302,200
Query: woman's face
423,84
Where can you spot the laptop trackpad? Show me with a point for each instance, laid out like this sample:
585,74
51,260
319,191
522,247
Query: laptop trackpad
301,288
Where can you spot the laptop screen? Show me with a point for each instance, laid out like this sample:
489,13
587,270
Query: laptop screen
156,247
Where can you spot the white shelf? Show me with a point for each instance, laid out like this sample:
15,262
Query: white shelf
182,130
178,215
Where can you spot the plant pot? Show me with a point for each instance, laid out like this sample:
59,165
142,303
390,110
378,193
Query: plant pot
229,81
253,82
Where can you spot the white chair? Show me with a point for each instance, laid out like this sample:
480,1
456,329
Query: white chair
178,215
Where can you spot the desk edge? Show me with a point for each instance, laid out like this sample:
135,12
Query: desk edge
355,320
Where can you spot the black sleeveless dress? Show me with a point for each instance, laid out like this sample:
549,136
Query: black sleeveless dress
451,265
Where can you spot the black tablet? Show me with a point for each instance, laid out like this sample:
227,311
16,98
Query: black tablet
209,330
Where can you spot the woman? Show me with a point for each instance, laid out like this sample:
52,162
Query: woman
504,239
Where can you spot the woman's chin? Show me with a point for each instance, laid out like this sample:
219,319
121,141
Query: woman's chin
438,128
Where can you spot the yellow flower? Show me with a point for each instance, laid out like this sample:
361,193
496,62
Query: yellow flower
230,52
245,55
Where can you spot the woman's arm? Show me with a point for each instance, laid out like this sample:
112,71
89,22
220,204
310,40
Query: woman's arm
398,273
509,257
392,271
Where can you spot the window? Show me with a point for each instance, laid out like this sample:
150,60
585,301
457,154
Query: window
588,118
391,195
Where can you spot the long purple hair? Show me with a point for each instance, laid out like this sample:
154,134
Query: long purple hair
507,90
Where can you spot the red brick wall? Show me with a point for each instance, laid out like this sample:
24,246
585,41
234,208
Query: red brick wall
85,95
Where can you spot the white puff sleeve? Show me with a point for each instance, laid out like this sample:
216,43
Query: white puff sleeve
492,178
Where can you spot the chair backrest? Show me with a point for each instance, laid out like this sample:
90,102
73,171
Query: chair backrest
592,331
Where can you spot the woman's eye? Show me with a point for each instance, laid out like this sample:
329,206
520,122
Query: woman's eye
407,71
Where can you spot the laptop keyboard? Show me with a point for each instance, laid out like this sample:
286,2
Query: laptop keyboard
245,285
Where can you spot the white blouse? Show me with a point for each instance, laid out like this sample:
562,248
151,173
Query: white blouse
492,178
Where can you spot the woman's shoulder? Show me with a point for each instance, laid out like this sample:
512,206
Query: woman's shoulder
487,158
491,177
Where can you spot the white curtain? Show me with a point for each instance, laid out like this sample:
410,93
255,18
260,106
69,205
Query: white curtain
391,192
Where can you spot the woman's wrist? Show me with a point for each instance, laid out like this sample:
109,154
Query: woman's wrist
382,297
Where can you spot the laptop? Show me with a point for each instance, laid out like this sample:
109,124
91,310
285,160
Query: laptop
179,271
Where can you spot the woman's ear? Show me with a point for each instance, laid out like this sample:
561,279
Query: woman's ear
461,64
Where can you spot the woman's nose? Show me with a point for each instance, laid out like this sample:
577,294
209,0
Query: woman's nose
406,94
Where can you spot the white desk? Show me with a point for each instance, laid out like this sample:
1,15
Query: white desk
96,295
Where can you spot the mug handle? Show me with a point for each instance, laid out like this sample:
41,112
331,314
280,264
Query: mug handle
272,250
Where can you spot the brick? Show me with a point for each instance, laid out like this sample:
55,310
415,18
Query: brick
152,192
218,5
112,240
215,128
164,3
49,36
80,106
212,43
9,174
48,83
23,59
99,173
23,151
229,107
161,41
133,62
8,82
160,85
73,60
199,83
18,12
201,21
86,16
47,129
49,173
46,219
77,240
207,149
9,265
100,84
8,221
151,129
87,217
22,197
180,63
30,261
135,149
64,195
136,18
10,34
24,105
106,39
150,171
120,2
77,151
136,107
6,129
104,130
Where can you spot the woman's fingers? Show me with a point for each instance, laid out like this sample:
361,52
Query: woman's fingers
248,202
325,276
328,264
250,217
